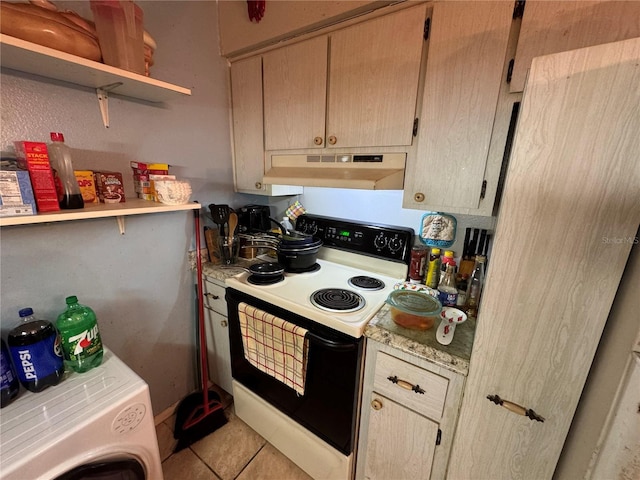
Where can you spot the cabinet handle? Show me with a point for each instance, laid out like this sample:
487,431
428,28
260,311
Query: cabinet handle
419,197
259,185
406,385
223,323
515,408
376,404
333,139
211,295
317,140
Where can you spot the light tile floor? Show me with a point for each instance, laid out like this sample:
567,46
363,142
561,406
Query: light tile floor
233,451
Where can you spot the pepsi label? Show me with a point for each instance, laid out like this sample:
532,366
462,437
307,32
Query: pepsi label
37,361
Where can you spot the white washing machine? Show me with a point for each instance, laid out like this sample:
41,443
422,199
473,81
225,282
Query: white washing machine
97,424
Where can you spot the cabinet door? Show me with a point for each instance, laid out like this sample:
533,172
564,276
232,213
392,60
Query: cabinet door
295,83
373,80
400,444
248,142
568,219
558,26
467,48
218,353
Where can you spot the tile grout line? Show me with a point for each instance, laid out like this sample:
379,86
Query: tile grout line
250,460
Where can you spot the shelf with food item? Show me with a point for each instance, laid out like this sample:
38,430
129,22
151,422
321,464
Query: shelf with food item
132,206
32,58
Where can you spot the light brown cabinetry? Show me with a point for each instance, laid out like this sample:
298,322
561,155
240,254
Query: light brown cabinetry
558,26
354,87
572,184
217,331
248,130
408,416
463,79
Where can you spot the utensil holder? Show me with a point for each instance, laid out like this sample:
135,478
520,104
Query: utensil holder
229,248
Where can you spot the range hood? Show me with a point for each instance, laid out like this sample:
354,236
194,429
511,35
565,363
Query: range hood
383,171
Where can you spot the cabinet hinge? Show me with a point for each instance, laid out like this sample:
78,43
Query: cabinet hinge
518,9
483,190
415,127
439,437
510,70
427,27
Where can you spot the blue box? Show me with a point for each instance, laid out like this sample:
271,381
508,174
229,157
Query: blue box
16,194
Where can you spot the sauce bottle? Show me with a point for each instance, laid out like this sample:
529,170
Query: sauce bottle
433,269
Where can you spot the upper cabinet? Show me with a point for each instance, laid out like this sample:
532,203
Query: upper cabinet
556,26
457,162
295,86
354,87
248,127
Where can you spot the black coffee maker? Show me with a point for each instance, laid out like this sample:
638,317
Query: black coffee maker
254,219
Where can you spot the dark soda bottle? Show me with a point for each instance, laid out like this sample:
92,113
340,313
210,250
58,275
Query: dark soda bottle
36,353
80,336
9,385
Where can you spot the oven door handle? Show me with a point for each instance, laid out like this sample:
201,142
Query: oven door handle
330,343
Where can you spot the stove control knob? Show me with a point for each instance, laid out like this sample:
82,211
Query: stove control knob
310,228
395,244
380,241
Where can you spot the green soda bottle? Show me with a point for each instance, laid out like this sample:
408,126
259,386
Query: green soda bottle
81,343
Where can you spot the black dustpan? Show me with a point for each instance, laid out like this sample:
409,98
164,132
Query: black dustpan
200,413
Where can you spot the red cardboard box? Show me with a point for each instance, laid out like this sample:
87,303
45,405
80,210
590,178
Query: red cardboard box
109,187
34,157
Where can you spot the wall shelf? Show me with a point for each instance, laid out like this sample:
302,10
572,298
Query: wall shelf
133,206
32,58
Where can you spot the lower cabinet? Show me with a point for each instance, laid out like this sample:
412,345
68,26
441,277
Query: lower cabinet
408,416
215,307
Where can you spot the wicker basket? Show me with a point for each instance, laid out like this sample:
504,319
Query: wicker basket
173,192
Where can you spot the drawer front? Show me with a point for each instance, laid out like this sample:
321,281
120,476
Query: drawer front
214,298
411,386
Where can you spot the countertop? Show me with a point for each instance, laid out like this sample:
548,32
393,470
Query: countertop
423,344
381,328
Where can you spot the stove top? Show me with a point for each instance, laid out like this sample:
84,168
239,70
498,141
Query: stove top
359,265
296,291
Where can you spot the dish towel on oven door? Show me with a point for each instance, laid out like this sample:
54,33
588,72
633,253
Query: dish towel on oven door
274,346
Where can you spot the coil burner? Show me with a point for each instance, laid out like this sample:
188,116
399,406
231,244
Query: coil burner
366,283
337,300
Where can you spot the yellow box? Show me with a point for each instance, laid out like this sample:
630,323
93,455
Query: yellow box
87,186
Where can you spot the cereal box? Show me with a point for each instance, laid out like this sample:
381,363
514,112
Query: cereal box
109,187
33,157
87,185
16,194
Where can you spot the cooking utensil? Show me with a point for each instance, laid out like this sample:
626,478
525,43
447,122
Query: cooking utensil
211,238
220,216
466,265
233,223
294,257
450,318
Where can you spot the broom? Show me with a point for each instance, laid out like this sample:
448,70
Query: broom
199,413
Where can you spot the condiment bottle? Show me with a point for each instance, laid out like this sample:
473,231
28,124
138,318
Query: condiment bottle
433,269
69,194
474,286
447,258
418,264
447,291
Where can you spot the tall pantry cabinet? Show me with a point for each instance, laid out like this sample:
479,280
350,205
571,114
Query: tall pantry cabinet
569,215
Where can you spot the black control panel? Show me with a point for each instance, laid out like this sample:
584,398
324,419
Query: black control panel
383,241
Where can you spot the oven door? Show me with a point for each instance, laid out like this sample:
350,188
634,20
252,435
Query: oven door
329,404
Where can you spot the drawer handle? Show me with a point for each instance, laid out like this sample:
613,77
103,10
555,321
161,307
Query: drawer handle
211,295
515,408
376,404
406,385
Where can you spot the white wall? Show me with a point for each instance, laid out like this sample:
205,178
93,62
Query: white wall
138,284
381,206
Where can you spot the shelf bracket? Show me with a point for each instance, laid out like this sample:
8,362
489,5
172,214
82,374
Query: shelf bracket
103,101
120,221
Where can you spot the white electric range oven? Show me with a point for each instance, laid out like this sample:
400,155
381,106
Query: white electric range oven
357,267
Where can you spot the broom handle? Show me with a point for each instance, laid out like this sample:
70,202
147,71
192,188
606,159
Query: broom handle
204,369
